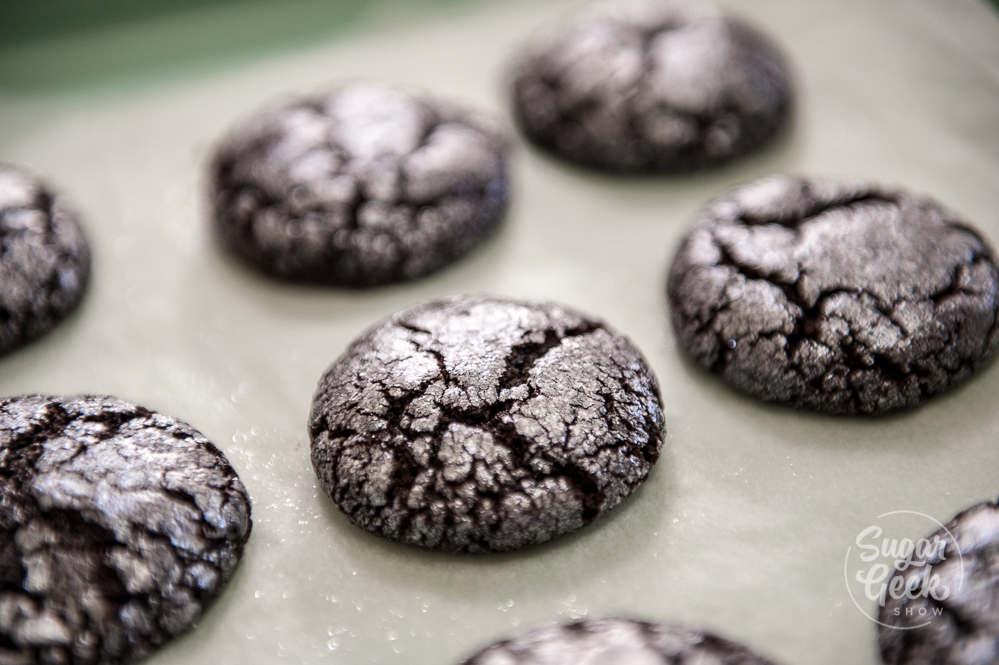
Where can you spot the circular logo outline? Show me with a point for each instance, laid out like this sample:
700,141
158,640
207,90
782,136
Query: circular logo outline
846,561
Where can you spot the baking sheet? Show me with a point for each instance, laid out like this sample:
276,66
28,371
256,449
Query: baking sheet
744,524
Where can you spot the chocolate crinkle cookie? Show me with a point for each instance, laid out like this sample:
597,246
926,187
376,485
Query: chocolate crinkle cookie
616,642
833,295
950,613
651,86
44,258
119,526
484,424
360,186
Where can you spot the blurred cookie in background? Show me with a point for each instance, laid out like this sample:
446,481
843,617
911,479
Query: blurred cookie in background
359,186
44,258
119,526
616,642
651,86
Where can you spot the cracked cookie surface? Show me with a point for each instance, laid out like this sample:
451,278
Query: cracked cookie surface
651,85
119,527
484,424
360,186
618,641
966,630
44,258
834,295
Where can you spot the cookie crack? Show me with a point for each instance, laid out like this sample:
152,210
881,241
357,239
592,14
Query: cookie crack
523,356
50,425
817,208
953,287
806,320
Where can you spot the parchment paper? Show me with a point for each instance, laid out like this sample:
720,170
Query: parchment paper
744,524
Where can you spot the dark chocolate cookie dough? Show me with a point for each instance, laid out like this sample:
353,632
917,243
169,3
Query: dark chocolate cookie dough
484,424
957,621
833,295
360,186
651,85
44,258
119,526
617,642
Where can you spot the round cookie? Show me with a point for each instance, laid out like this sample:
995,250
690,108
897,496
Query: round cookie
834,295
651,86
962,626
119,527
44,258
484,424
617,641
360,186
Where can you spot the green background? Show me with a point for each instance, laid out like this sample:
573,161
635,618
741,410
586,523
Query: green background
65,44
